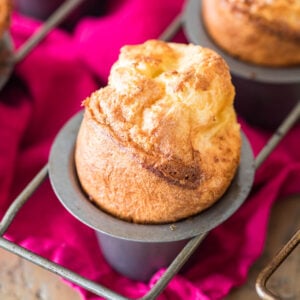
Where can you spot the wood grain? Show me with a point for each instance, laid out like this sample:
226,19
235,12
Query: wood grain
284,222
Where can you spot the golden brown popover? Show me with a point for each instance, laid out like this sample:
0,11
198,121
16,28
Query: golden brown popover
263,32
161,141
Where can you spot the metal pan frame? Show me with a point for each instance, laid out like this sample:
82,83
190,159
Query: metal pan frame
12,56
265,275
179,261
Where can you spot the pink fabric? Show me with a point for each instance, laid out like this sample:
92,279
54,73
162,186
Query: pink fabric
47,88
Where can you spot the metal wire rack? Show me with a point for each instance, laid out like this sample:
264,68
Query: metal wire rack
266,273
189,248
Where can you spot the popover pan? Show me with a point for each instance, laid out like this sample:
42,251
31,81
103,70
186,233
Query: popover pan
137,250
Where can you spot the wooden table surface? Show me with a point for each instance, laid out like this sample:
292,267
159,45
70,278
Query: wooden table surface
22,280
285,282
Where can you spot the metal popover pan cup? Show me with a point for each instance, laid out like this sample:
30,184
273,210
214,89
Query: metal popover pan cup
264,96
136,250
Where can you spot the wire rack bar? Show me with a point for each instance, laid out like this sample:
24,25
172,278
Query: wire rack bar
77,279
175,266
54,20
172,29
59,270
288,123
21,199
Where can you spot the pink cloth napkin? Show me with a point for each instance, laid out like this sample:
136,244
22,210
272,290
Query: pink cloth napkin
47,88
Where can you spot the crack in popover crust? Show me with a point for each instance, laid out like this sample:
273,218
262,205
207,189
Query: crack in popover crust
160,142
264,32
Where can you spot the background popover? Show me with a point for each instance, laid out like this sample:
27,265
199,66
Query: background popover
263,32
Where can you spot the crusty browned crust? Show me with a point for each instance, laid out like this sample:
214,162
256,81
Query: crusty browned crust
5,15
257,31
160,142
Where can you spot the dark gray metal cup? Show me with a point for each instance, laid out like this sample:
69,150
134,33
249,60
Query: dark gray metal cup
138,260
139,250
